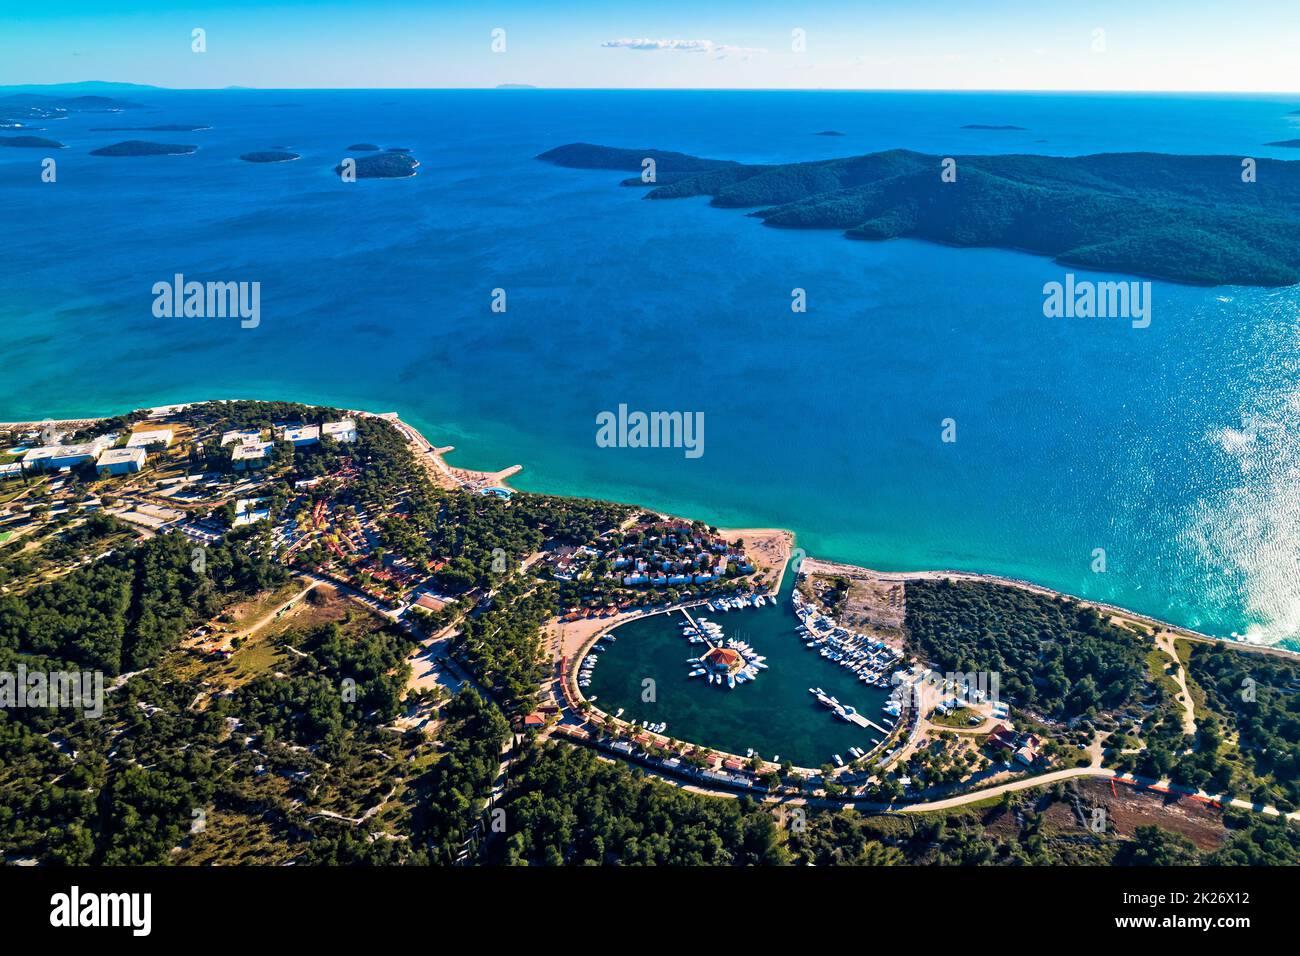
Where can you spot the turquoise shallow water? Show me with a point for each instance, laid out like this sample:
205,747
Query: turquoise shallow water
774,715
1172,448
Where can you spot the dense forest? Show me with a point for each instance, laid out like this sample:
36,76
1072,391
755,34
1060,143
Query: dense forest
1052,655
118,614
1257,697
567,807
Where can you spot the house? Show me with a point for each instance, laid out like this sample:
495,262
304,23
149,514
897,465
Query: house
242,436
250,455
120,461
535,720
1002,738
301,435
11,470
345,430
156,436
1027,756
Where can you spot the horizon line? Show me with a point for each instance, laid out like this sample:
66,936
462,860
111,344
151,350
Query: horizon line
644,89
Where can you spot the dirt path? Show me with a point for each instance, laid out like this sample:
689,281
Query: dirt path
1165,641
272,615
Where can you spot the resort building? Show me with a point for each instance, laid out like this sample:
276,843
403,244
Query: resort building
120,461
250,455
301,435
54,457
242,436
156,436
345,430
11,470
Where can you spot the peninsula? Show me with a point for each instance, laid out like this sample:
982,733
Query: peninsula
1187,219
338,548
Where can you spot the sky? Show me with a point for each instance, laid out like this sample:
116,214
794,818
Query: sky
1170,45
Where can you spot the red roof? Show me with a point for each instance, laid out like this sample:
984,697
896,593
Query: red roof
723,657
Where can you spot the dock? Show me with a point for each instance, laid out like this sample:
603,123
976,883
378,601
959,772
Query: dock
698,630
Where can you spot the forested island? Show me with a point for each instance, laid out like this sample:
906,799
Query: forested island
1189,219
270,156
383,166
30,142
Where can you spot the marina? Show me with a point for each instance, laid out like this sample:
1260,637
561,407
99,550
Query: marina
773,717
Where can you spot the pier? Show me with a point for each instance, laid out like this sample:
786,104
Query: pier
698,630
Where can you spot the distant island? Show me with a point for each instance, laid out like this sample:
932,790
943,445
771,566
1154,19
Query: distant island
986,126
515,86
30,142
165,128
384,166
366,147
1288,143
1186,219
51,106
829,132
139,147
270,156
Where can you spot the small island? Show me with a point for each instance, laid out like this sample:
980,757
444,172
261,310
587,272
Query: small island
163,128
1180,218
270,156
384,166
140,147
829,132
30,142
1288,143
363,147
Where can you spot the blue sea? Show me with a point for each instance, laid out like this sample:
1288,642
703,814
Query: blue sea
1175,449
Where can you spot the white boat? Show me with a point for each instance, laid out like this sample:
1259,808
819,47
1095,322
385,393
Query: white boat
839,761
731,681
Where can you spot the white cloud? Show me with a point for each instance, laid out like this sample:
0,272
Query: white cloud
687,46
690,46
